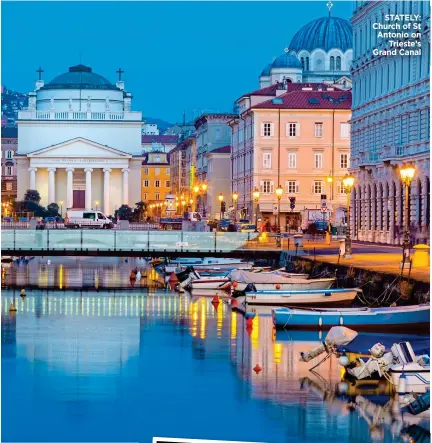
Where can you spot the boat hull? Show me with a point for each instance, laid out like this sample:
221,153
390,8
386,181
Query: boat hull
207,283
297,284
417,378
414,317
298,298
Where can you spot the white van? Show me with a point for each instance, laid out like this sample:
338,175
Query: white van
80,218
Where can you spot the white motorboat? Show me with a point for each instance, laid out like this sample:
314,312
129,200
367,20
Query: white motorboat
207,283
312,297
266,281
207,262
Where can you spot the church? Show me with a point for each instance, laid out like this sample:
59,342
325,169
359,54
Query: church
79,142
320,52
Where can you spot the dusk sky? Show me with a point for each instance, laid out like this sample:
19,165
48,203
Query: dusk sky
195,56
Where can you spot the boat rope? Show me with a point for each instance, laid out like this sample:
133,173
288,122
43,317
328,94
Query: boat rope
322,361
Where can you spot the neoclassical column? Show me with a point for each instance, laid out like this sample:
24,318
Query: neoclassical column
32,178
107,172
69,187
125,189
51,185
424,198
399,211
373,207
379,215
367,201
88,190
385,207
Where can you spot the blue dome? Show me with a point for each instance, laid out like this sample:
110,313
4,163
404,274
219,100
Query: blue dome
286,61
79,77
266,70
324,33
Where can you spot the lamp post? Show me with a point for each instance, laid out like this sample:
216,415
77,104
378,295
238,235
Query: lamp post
279,192
196,190
348,182
330,182
407,173
96,204
235,197
220,198
256,196
204,190
61,208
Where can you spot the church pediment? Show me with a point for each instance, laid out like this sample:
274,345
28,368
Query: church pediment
79,147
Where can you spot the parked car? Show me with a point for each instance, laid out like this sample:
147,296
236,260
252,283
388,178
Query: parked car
76,218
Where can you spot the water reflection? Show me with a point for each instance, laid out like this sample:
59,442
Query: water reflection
121,366
80,273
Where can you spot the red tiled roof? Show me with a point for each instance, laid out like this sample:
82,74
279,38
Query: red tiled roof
168,139
298,99
221,150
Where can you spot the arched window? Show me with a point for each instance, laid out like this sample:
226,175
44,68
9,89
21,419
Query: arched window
307,63
338,64
302,62
332,63
9,170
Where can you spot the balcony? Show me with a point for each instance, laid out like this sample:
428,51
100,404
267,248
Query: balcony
79,115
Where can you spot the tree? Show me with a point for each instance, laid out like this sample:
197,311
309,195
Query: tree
124,213
32,195
140,209
53,210
30,206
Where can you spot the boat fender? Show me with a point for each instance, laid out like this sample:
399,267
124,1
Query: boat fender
327,294
320,321
343,360
341,320
402,384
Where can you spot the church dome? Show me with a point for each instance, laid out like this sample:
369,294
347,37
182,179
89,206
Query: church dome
323,33
79,77
266,71
286,61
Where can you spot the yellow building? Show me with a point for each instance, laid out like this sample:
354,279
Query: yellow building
155,183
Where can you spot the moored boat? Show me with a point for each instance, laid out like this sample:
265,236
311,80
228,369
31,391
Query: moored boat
415,317
260,281
299,297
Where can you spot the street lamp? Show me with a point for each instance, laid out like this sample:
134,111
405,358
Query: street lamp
235,197
96,204
407,173
279,192
220,198
61,208
256,196
204,187
348,182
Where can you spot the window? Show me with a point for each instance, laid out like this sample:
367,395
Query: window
292,187
8,186
8,170
307,63
318,129
302,63
341,189
145,197
266,186
157,183
267,160
167,184
267,129
317,187
157,196
145,183
318,160
344,161
293,129
218,134
240,136
9,154
157,171
332,63
345,130
146,171
338,63
89,215
292,160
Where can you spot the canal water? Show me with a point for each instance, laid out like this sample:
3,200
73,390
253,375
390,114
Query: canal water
108,365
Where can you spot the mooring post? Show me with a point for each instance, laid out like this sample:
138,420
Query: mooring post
14,238
215,241
47,231
148,240
81,235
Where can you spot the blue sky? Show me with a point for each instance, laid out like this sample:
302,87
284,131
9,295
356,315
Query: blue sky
177,56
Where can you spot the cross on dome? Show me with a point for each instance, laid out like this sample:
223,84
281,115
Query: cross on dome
120,72
329,5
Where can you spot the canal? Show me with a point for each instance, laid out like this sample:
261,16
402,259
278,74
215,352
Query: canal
125,365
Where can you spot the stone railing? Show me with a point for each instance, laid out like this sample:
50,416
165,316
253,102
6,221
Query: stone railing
78,115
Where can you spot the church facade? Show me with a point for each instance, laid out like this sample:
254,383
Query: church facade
79,142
